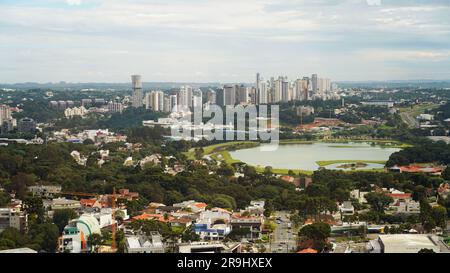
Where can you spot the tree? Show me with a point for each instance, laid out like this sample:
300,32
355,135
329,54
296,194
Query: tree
62,217
35,207
378,201
268,170
95,240
426,216
199,152
440,216
318,233
189,235
426,250
4,199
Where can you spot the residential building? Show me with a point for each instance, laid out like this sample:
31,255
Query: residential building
13,217
144,244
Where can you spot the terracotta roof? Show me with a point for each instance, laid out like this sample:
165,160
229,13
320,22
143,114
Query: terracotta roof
400,195
308,250
88,202
200,205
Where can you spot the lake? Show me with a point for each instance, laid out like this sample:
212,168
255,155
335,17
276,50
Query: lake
305,156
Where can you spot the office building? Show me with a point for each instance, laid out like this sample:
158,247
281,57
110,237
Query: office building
26,125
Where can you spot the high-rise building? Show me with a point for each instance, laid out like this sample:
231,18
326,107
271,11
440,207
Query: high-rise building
26,125
243,94
220,97
174,103
197,98
284,91
258,87
137,95
229,94
115,107
167,105
5,113
277,90
263,96
185,97
306,85
154,100
314,84
211,97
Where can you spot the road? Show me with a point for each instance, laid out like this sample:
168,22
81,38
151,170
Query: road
409,119
283,239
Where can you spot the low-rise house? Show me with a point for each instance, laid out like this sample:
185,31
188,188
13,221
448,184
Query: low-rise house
154,159
90,203
144,244
192,206
359,195
347,209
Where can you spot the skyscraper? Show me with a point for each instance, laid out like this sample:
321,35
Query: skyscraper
229,95
5,113
314,83
258,87
284,91
262,96
137,95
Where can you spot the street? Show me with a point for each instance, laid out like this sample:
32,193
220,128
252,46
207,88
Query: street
283,239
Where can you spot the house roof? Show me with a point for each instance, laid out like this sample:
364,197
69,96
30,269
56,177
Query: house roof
400,195
308,250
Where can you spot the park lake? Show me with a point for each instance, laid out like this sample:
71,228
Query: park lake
312,156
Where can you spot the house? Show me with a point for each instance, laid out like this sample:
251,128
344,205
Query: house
13,217
359,195
254,225
90,203
192,205
144,244
347,208
213,225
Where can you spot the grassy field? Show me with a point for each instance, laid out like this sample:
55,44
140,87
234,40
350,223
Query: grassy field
331,162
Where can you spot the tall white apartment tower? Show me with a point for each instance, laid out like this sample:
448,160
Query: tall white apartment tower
137,95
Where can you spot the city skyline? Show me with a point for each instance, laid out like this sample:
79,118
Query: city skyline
217,41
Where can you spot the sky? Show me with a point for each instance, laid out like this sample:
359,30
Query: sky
223,40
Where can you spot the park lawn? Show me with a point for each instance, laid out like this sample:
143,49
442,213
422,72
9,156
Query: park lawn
325,163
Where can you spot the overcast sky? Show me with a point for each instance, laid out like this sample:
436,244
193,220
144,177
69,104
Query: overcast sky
223,40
